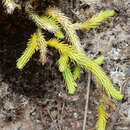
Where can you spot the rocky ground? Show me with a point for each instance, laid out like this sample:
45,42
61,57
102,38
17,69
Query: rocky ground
35,98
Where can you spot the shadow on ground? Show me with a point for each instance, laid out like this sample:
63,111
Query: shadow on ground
15,30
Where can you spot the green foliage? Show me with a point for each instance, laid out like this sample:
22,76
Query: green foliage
102,117
66,72
63,62
76,72
32,46
95,20
74,52
88,64
67,26
69,80
53,22
42,23
99,60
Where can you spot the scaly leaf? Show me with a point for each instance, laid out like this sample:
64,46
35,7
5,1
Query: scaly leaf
67,25
41,23
76,72
69,80
95,20
99,60
63,63
88,64
42,44
52,21
66,72
102,117
29,51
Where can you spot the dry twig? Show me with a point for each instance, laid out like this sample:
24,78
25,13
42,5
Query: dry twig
87,99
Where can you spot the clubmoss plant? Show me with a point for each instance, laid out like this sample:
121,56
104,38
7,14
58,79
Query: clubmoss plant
70,51
102,117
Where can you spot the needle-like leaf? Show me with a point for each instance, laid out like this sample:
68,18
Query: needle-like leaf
102,117
58,33
88,64
29,51
42,44
42,23
67,25
95,20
